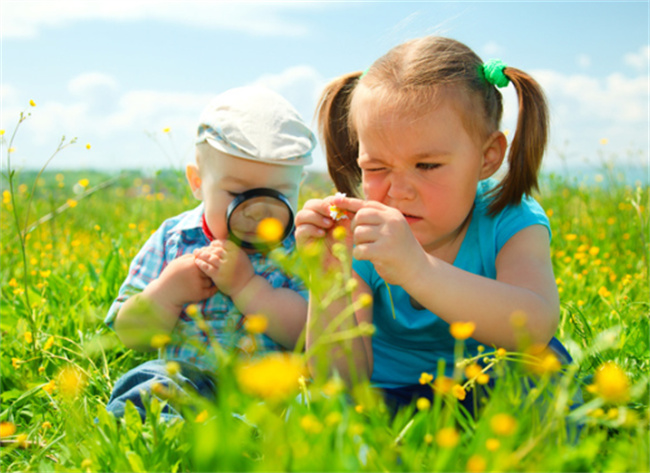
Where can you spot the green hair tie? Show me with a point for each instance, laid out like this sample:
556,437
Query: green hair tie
493,71
364,73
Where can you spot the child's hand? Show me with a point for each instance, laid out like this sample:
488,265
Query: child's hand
180,283
226,264
314,222
382,235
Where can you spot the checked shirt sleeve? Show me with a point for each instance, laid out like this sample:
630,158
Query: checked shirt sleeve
145,267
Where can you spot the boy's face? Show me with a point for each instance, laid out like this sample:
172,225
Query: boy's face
219,178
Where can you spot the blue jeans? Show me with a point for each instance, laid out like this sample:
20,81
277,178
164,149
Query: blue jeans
143,377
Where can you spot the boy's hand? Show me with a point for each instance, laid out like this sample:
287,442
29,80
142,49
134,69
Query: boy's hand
180,283
226,264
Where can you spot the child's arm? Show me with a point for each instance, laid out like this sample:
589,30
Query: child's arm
524,283
156,309
313,223
231,270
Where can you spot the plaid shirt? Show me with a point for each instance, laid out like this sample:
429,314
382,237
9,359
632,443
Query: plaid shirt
175,237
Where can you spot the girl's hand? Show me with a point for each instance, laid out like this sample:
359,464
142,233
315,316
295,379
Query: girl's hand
314,223
226,264
382,235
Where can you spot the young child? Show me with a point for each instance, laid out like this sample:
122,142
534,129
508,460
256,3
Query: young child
248,138
419,131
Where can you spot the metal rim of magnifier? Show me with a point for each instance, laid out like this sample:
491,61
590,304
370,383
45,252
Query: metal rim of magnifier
250,194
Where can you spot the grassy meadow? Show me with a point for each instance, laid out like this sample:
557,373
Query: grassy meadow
68,238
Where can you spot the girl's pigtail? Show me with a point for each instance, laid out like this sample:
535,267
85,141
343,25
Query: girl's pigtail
528,144
340,142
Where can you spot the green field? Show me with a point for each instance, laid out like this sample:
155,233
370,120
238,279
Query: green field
67,241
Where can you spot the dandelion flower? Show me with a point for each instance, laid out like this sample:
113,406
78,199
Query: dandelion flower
71,382
256,323
503,424
84,182
423,404
88,146
72,203
476,464
49,387
492,444
160,340
28,337
462,330
270,230
273,377
611,383
447,437
7,429
426,378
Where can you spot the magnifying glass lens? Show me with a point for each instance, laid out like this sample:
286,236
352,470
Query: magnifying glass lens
260,219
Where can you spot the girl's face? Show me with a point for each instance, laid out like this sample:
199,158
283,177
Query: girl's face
428,167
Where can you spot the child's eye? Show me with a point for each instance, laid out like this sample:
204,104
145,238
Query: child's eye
427,166
233,194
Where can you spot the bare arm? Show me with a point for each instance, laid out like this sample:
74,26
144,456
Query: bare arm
351,358
155,311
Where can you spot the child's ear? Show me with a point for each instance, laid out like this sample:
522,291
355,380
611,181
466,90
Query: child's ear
494,150
194,179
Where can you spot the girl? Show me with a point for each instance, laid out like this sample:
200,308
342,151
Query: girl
435,241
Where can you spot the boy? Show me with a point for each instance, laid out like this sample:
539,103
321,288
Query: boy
248,138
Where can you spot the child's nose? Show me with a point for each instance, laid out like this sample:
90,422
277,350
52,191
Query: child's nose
257,211
400,186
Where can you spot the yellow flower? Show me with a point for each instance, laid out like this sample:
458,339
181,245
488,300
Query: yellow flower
256,323
6,197
476,464
472,371
28,337
16,362
604,141
86,464
333,418
365,300
423,404
7,429
21,440
604,292
428,439
483,378
310,424
501,352
32,103
447,437
337,214
339,233
160,340
426,378
443,385
2,132
503,424
358,409
84,182
270,230
462,330
71,382
333,387
570,237
49,387
46,425
88,146
492,444
72,203
201,417
173,368
611,383
167,130
542,360
459,392
273,377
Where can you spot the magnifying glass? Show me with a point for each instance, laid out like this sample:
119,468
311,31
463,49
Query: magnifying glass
259,219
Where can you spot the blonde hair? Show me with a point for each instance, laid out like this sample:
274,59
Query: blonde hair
410,77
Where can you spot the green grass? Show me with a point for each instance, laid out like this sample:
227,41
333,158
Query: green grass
59,362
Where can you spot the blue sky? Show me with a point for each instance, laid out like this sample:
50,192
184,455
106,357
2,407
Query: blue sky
116,73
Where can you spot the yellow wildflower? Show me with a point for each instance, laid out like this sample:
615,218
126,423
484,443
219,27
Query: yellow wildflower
7,429
21,440
604,292
443,385
462,330
71,382
16,362
84,182
46,425
503,424
476,464
28,337
270,230
472,371
447,437
160,340
49,387
492,444
173,368
256,323
611,383
333,387
459,392
423,404
167,129
32,103
428,439
273,377
359,409
365,300
339,233
201,417
333,418
88,146
311,424
72,203
426,378
570,237
6,197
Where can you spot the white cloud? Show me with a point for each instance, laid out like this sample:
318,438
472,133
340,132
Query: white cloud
25,18
119,125
638,60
